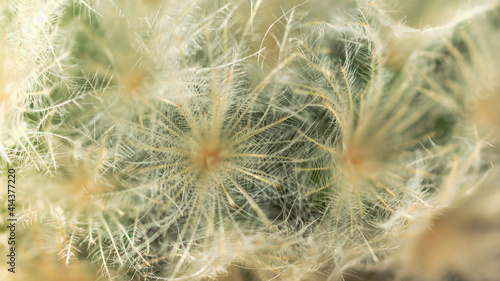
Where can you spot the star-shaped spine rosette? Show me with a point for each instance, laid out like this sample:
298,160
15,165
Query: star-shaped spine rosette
201,164
382,159
211,156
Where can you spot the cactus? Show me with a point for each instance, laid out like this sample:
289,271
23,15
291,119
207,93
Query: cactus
205,140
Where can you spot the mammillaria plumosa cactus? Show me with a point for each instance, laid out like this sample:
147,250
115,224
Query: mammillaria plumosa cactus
286,140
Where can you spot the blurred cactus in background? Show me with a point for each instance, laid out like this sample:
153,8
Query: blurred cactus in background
251,140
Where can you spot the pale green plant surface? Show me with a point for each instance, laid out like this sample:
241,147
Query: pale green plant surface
171,140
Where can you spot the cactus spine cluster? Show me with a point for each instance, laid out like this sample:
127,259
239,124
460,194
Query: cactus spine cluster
177,140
